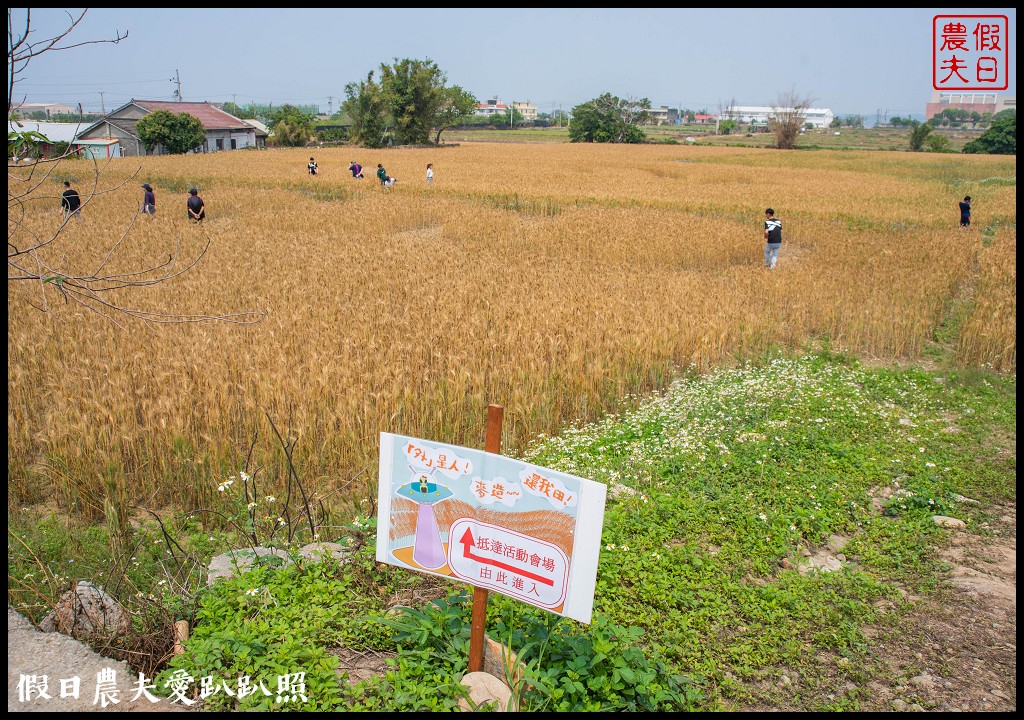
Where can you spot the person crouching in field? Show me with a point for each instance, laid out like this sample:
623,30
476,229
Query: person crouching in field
357,169
772,238
196,206
390,182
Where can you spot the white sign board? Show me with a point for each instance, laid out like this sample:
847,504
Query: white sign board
522,530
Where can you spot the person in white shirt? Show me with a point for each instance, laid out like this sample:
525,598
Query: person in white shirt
430,174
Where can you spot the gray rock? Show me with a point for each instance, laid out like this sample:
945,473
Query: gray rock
923,681
85,611
236,562
618,490
836,543
822,562
485,688
317,550
948,522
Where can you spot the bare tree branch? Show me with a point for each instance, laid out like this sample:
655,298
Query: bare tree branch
787,117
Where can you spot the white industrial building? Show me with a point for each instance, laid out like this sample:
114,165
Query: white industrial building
759,114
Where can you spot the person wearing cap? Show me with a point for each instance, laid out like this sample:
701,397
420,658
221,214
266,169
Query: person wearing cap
196,206
148,200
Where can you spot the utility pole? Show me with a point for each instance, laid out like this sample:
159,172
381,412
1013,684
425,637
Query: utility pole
177,79
103,107
330,104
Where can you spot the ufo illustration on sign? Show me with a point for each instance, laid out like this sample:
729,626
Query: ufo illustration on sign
428,550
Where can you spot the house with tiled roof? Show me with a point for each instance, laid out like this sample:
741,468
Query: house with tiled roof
223,130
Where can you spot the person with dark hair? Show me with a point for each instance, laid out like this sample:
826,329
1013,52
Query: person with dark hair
772,238
148,200
430,174
382,175
357,169
196,206
71,202
311,166
965,212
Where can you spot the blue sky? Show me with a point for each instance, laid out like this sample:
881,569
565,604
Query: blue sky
850,60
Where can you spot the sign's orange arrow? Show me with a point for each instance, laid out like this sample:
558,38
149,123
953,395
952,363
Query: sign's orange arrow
468,542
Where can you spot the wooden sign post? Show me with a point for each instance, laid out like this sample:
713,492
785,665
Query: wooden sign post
492,444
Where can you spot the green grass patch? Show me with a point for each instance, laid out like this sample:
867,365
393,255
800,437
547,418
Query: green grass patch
721,490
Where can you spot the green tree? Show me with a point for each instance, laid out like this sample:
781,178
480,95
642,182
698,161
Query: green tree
609,119
176,133
414,90
366,107
291,134
999,139
238,111
937,143
291,126
727,126
455,107
410,100
919,131
836,122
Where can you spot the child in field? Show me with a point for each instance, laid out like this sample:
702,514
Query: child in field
311,166
430,174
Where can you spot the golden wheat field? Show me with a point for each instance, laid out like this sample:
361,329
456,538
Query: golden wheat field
555,280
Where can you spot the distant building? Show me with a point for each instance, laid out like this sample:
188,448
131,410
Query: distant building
971,102
702,119
663,116
526,109
223,130
262,131
760,114
491,107
26,109
52,131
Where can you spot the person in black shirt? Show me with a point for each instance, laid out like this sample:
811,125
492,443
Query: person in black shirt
196,206
772,238
71,202
311,166
965,213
